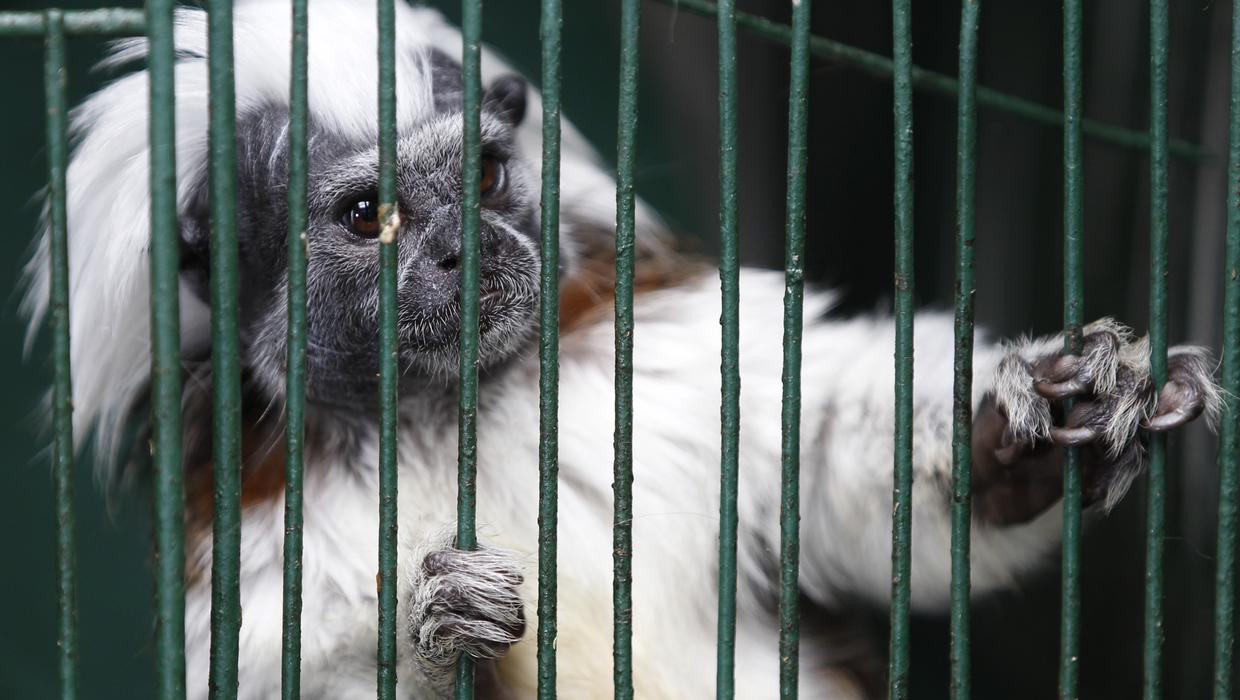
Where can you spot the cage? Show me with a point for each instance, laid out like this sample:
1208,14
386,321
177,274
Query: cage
1141,104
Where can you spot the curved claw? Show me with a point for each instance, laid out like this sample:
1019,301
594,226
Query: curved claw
1056,369
1177,405
1073,436
1061,390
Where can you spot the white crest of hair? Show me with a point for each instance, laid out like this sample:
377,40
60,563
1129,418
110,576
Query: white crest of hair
109,173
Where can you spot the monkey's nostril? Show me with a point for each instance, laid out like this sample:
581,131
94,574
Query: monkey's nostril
448,264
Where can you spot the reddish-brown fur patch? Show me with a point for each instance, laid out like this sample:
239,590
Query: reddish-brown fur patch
588,294
262,479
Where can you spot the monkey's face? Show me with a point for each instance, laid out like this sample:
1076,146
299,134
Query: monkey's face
342,242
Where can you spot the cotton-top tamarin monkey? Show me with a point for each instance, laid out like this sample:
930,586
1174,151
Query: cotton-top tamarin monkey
481,602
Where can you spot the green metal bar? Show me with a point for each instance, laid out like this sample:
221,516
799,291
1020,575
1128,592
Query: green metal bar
962,391
225,359
549,350
104,22
1156,490
295,380
622,485
729,369
389,370
54,85
1229,427
902,493
1074,284
880,66
166,360
790,415
471,226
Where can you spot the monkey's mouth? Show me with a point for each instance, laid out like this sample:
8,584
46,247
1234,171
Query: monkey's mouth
506,310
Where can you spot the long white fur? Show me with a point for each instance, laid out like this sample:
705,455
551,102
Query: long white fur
847,419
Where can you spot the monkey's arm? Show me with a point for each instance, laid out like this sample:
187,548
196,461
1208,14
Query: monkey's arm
1020,424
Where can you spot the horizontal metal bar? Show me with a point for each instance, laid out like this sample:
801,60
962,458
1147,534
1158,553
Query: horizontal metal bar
114,21
930,81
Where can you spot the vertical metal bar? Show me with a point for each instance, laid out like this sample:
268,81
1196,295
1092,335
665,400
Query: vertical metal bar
729,407
295,380
902,502
166,359
388,350
225,362
1074,283
1229,428
790,415
1156,491
62,390
471,225
622,485
962,404
549,350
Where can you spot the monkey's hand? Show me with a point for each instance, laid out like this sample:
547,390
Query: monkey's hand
1102,400
464,602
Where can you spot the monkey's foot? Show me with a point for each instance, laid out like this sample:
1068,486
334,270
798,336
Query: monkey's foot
1025,422
465,602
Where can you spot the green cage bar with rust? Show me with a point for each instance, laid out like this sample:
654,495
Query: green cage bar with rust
225,359
549,349
1073,295
295,377
902,492
389,369
622,485
166,360
54,86
471,226
729,368
962,385
1156,489
1229,426
790,411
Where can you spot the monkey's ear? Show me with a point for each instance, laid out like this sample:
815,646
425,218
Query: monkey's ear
505,98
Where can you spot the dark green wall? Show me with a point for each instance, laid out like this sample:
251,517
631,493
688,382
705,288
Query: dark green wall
113,547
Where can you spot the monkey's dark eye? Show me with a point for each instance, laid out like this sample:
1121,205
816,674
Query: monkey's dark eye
492,176
362,218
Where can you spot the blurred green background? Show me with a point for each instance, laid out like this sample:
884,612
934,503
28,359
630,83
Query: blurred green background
1018,253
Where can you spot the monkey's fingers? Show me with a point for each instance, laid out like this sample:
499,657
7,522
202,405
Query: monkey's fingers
1177,404
1081,426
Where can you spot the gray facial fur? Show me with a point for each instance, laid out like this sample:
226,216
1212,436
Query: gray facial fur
342,273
